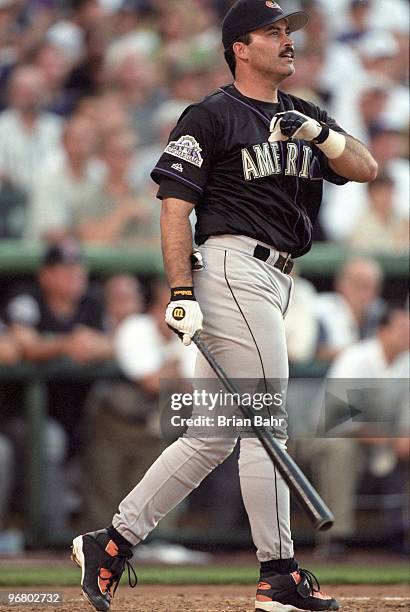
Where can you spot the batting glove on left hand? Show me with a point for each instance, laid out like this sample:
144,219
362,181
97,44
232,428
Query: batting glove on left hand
183,314
292,124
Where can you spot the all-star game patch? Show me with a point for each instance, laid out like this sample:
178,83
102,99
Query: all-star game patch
186,148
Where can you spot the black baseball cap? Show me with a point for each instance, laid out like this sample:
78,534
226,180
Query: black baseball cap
63,253
249,15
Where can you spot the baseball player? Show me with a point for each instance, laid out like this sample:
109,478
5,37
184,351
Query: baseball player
252,161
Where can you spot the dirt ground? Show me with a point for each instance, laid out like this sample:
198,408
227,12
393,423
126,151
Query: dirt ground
210,599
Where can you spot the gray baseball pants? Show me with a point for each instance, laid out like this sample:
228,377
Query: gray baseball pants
244,301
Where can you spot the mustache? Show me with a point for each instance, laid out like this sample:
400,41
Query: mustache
287,51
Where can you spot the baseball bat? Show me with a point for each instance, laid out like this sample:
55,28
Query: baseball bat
316,509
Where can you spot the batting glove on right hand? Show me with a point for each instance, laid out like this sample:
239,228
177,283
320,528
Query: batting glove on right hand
293,124
183,314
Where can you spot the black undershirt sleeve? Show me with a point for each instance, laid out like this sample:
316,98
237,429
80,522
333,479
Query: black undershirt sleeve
173,189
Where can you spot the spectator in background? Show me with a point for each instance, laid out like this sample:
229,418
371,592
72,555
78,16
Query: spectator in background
301,325
340,63
359,21
69,30
177,27
188,79
123,428
65,182
165,118
339,461
389,147
8,18
88,107
9,349
379,229
129,18
372,103
123,297
22,28
134,29
28,135
186,32
380,53
135,78
352,311
61,318
381,56
85,78
55,65
116,213
160,346
113,114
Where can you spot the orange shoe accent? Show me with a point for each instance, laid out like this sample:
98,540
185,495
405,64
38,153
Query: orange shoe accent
263,598
103,579
111,548
264,586
321,595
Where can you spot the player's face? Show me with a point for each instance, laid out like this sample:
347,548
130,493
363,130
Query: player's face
271,50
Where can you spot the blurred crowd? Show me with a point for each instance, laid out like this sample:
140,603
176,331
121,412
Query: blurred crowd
98,428
89,91
91,88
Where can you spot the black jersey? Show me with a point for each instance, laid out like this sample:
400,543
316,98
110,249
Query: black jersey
30,308
65,399
219,158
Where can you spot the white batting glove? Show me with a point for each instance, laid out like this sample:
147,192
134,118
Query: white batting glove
183,314
293,124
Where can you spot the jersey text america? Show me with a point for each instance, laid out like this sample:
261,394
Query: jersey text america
265,160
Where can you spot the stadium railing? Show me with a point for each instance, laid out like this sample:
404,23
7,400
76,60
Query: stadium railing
18,258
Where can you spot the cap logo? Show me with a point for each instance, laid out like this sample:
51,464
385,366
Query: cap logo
273,5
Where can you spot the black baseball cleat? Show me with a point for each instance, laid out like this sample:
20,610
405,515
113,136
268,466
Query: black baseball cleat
293,592
102,563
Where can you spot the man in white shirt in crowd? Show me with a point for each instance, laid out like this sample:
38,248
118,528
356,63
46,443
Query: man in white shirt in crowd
380,367
69,178
352,311
28,135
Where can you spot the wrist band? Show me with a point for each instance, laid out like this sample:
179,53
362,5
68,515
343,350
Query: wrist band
333,145
182,293
324,134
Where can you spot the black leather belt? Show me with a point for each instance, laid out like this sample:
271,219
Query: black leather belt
284,264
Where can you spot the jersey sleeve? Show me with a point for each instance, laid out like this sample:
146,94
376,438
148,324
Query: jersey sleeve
188,156
173,189
328,174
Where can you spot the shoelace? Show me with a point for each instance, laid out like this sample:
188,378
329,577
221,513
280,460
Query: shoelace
117,566
311,579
